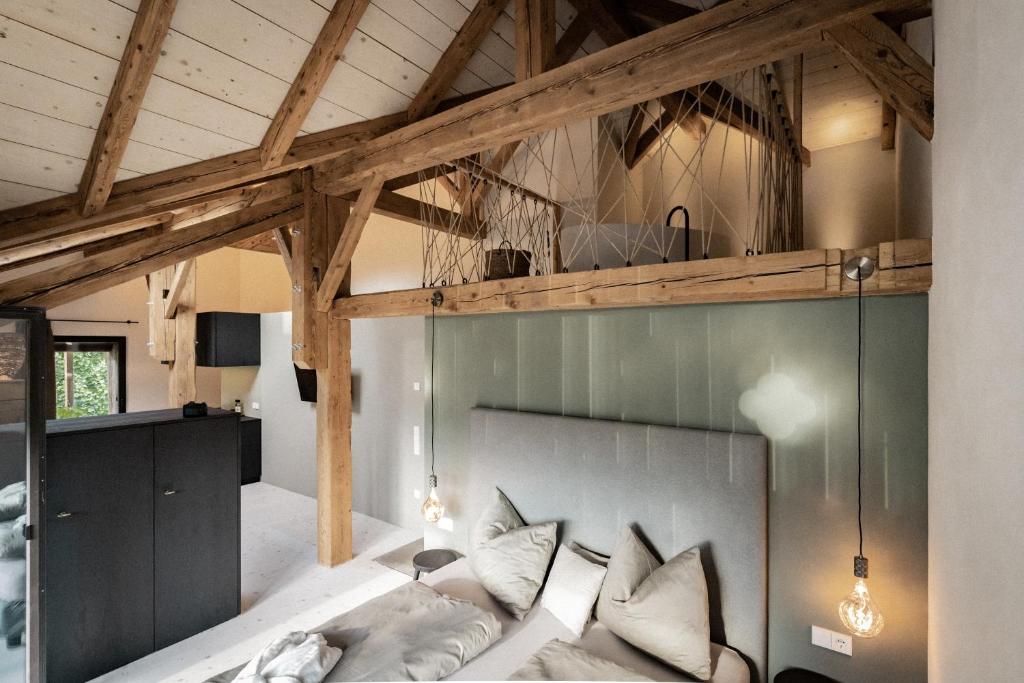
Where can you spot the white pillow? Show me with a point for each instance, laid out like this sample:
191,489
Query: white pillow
572,589
660,608
510,558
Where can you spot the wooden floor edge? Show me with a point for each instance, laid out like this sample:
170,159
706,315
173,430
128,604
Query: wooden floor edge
904,267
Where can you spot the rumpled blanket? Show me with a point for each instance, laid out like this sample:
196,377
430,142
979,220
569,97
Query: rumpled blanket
297,657
412,633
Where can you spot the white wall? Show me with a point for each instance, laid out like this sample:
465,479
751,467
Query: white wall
387,359
914,156
976,347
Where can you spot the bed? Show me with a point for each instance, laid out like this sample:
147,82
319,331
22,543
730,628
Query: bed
680,487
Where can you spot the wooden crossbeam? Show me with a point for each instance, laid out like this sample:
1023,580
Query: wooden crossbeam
729,38
141,51
455,57
327,50
182,273
904,267
535,37
400,207
156,193
342,256
283,240
902,77
66,283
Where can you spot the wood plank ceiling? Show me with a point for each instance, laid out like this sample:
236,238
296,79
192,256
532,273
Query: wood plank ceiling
226,65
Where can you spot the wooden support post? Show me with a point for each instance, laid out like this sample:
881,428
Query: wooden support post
334,447
341,257
182,387
334,411
535,37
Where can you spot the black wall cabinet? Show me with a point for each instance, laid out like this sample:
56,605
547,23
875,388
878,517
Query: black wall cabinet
227,339
142,545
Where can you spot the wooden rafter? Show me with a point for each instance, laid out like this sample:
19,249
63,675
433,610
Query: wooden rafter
665,11
458,53
141,51
902,77
283,241
400,207
66,283
157,193
327,50
903,267
727,39
341,259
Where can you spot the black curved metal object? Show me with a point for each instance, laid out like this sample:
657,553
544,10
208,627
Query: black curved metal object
686,229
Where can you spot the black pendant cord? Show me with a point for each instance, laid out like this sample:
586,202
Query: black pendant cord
432,353
860,408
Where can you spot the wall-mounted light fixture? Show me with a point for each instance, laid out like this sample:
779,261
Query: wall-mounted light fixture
432,509
859,613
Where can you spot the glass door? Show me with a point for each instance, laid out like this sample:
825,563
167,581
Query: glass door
22,438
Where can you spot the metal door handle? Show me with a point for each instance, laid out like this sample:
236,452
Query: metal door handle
63,515
169,492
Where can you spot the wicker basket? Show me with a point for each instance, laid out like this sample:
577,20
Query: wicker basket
505,262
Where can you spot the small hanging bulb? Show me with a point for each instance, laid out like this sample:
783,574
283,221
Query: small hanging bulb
858,611
432,509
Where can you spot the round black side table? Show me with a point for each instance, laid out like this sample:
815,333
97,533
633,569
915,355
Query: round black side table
430,560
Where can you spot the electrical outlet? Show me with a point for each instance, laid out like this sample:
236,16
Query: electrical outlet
831,640
255,405
415,386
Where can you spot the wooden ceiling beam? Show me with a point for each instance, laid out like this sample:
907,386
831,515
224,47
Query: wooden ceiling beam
614,26
341,259
566,47
900,75
903,267
141,51
156,193
729,38
664,11
455,57
63,284
327,50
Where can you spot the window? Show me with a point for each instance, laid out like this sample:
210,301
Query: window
89,376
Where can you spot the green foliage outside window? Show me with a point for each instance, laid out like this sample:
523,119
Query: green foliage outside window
91,393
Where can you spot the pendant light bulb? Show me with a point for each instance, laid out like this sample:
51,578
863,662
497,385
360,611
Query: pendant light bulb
860,613
432,509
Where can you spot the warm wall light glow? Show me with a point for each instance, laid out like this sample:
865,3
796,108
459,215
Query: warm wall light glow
860,614
432,509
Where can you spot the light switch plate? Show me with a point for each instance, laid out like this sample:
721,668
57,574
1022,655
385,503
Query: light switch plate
832,640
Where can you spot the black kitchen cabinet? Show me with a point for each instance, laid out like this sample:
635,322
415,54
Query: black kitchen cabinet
142,546
227,339
252,449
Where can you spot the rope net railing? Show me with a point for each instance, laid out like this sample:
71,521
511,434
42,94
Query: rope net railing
601,192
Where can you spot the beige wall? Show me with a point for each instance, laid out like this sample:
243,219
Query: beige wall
976,353
914,157
850,196
218,288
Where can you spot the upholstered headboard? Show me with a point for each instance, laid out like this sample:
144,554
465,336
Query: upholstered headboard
679,487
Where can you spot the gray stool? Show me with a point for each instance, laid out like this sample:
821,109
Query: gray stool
429,560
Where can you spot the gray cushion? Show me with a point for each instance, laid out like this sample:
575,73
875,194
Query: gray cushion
663,610
510,559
